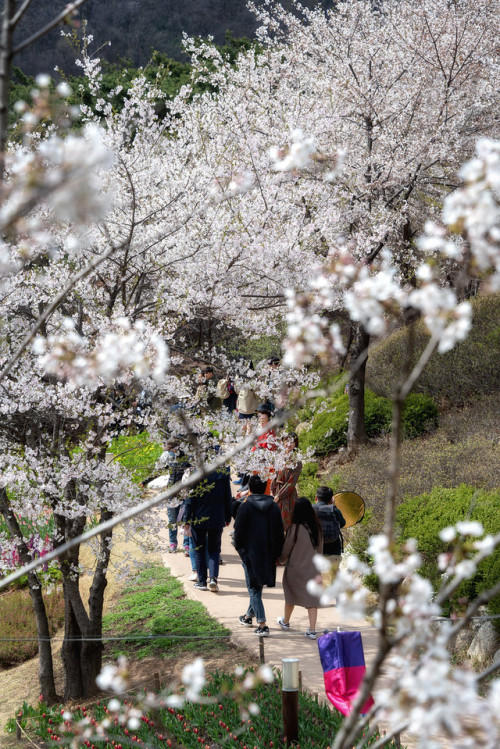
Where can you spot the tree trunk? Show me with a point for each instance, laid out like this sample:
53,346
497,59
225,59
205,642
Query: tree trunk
82,647
45,664
9,7
71,650
356,433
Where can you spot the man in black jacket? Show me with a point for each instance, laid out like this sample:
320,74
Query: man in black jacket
331,520
208,510
258,538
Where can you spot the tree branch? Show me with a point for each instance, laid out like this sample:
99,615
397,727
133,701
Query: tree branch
55,21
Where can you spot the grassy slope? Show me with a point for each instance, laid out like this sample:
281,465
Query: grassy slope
464,449
154,603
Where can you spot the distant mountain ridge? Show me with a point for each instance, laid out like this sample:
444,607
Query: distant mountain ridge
134,28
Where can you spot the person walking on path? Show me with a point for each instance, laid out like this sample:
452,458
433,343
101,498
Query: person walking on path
208,510
331,521
303,541
258,538
177,462
284,484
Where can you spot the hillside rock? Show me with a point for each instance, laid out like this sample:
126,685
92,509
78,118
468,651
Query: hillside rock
462,641
484,644
302,427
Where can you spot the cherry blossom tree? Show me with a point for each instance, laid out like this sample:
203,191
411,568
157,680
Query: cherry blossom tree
403,91
196,218
141,248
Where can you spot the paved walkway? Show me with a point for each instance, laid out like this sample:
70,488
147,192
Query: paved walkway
232,600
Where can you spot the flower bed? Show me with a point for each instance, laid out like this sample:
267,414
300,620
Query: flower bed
220,721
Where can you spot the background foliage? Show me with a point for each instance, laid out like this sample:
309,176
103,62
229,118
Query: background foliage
423,517
328,430
467,370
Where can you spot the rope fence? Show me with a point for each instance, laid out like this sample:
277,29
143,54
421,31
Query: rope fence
172,636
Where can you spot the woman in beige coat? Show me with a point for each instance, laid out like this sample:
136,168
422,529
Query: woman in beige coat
303,540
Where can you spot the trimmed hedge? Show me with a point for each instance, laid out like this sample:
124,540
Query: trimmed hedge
328,431
423,517
459,375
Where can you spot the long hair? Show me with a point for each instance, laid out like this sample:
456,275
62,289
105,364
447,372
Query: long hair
303,514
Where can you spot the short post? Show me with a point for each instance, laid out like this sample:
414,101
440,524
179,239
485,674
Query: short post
18,724
157,683
290,698
261,650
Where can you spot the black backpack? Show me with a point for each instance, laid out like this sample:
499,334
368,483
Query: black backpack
329,523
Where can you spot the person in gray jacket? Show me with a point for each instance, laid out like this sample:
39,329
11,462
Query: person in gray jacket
258,538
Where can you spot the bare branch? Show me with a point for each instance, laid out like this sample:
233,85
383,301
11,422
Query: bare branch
22,10
55,21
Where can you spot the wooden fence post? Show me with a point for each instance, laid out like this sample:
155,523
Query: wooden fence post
261,650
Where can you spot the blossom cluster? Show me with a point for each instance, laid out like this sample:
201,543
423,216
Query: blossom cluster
128,349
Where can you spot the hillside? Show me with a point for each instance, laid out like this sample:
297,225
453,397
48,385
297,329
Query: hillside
134,28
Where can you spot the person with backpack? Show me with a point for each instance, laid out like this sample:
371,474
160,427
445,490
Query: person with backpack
304,539
246,405
225,390
206,396
331,520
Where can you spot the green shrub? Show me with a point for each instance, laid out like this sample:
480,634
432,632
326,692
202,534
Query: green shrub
378,415
329,427
423,517
420,415
137,453
464,372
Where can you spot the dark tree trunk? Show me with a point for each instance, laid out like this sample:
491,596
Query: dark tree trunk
71,650
82,647
356,433
45,668
9,8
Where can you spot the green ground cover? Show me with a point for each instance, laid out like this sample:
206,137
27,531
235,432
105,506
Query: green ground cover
328,424
137,453
154,604
424,516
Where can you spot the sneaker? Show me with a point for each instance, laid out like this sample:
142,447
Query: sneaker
245,620
221,561
212,585
200,586
310,635
262,631
193,577
284,625
186,551
172,548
